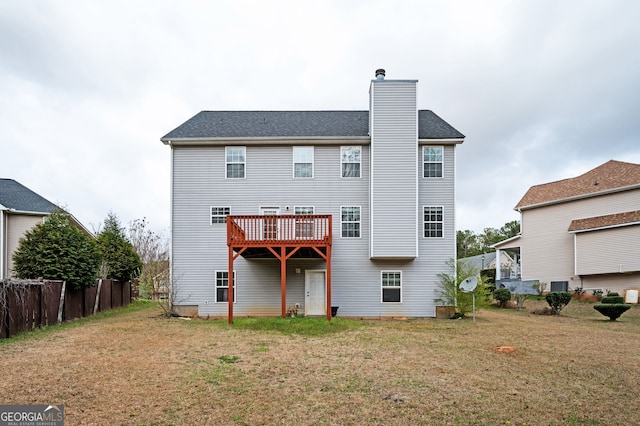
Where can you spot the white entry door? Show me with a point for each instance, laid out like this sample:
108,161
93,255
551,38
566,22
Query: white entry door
315,292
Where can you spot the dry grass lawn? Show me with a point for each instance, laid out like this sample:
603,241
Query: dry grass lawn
138,368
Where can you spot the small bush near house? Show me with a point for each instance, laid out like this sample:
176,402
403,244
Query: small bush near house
557,300
539,287
502,295
612,306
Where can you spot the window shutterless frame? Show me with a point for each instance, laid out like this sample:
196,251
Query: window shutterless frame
432,161
433,221
235,162
350,161
391,286
305,228
222,287
303,161
350,221
219,214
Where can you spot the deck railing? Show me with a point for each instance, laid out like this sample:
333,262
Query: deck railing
262,230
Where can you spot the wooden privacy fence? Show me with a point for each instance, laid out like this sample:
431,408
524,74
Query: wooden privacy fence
28,304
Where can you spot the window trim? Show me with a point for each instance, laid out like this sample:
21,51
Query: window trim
211,222
359,222
383,287
441,162
227,162
424,222
235,286
313,156
359,162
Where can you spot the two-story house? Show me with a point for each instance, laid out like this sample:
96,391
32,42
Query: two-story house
353,209
582,232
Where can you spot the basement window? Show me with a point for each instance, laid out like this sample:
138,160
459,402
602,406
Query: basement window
391,286
222,286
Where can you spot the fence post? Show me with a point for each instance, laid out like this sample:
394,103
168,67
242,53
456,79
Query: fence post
64,288
95,305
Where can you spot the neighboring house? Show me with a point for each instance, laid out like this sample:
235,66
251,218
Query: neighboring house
353,209
20,210
582,232
488,261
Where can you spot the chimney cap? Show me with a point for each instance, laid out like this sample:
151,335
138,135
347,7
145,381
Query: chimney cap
380,73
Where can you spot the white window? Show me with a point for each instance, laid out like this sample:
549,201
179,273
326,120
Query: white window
219,214
222,286
391,286
433,221
432,161
350,219
350,161
235,161
304,226
303,161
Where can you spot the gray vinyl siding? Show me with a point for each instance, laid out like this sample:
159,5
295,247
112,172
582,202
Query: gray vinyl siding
199,247
607,251
547,248
439,192
394,142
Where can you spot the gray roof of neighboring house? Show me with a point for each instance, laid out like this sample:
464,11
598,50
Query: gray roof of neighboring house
477,262
15,196
250,124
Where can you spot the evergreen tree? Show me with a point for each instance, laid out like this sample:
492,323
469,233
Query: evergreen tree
58,250
118,255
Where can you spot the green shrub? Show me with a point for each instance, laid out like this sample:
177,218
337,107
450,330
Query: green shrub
612,310
502,295
612,306
612,298
451,294
57,249
557,300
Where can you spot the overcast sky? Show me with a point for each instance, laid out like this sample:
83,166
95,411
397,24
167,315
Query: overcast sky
543,90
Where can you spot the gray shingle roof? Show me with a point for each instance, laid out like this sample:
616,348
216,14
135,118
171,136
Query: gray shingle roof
14,195
250,124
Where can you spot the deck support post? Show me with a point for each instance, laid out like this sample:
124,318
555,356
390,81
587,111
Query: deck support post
328,260
230,298
283,280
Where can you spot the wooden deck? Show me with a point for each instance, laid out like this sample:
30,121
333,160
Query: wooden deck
280,237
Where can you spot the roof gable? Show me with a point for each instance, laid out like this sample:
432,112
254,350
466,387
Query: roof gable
15,196
610,176
274,124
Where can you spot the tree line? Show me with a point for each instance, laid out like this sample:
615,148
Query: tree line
471,244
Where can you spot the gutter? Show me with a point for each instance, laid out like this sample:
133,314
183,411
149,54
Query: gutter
308,140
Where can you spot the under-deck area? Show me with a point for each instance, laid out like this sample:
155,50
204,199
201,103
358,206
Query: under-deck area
280,237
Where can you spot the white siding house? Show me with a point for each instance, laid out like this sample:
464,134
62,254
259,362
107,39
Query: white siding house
582,232
353,209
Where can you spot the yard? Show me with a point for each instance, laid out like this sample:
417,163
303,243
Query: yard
137,367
